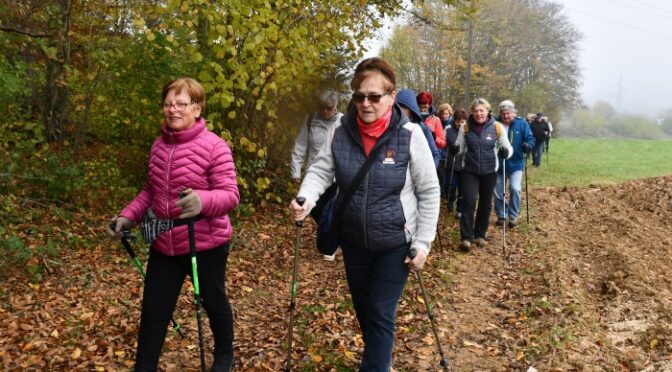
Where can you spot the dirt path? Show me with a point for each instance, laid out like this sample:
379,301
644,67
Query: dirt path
586,287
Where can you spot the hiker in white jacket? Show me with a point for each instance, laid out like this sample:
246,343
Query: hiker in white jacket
317,129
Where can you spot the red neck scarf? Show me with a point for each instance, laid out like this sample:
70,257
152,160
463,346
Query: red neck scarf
370,132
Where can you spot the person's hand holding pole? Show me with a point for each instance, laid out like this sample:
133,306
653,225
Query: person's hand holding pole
190,203
117,225
298,211
417,261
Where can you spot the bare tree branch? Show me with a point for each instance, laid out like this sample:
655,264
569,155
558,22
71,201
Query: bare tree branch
9,29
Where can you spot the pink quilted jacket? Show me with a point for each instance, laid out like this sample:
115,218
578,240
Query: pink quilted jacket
194,158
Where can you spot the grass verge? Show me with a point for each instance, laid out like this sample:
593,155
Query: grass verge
582,162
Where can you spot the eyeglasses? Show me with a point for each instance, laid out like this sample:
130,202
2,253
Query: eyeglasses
179,106
373,98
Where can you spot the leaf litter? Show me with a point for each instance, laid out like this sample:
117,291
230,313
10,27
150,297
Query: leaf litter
585,287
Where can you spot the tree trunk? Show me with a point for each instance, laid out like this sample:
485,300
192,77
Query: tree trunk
56,89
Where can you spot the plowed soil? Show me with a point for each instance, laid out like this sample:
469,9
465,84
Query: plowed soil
586,286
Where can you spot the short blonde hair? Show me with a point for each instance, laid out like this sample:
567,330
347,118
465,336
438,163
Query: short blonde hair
479,101
192,87
445,107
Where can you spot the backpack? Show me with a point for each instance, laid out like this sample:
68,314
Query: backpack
309,124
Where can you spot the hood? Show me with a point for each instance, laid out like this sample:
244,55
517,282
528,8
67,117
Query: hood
406,98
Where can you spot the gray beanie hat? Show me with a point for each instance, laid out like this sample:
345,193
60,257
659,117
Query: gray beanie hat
507,105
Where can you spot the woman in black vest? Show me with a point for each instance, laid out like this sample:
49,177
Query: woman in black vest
393,209
477,141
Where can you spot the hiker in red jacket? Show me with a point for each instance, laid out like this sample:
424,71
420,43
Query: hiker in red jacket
431,120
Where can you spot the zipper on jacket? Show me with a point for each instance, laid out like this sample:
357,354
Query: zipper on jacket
365,206
480,151
170,161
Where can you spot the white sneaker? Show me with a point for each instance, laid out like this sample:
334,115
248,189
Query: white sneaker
329,258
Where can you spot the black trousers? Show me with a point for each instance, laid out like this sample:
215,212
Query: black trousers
473,186
165,275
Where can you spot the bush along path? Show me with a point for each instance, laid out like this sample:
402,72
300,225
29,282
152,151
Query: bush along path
586,287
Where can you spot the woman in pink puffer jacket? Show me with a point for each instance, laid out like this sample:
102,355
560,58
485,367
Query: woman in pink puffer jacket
187,159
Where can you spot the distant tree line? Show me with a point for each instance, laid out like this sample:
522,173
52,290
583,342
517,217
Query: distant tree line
523,50
602,120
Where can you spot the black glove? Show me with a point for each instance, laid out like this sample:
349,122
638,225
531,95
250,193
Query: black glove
526,148
453,149
503,152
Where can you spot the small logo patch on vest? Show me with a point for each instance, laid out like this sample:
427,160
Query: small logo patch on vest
489,138
389,157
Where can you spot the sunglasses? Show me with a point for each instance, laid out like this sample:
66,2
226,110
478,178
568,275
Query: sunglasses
373,98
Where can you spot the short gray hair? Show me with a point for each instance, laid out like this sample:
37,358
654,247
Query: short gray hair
328,98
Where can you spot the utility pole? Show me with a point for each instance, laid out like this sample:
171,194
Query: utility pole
619,102
467,82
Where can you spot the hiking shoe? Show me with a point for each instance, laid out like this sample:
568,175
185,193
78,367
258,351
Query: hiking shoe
223,362
513,222
481,242
465,246
329,257
500,221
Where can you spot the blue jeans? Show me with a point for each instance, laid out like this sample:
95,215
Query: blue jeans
512,205
376,280
536,153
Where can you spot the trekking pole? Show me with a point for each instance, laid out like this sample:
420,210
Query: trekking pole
441,173
295,273
504,204
444,362
197,290
450,184
527,194
438,234
126,239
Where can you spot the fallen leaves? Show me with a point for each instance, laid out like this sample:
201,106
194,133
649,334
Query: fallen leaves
539,307
472,344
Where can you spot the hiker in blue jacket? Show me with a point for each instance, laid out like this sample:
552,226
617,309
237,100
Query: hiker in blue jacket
406,99
522,141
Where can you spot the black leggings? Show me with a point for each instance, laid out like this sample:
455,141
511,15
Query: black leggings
473,186
165,275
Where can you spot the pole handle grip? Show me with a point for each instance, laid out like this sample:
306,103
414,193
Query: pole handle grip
300,200
412,253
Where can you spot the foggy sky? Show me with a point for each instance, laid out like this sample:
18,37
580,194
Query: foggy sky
625,53
628,41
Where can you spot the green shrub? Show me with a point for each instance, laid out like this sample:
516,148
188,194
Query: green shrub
635,126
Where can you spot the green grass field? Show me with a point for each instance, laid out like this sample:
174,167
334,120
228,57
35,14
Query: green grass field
581,162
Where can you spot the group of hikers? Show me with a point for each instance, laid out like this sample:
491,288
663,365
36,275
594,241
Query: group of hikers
391,153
